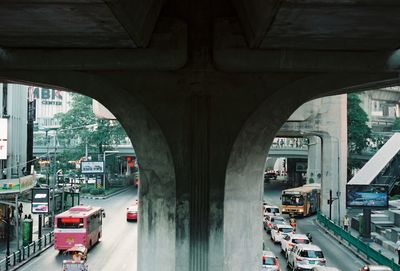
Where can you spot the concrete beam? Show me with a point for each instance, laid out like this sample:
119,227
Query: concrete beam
232,54
137,17
167,52
256,17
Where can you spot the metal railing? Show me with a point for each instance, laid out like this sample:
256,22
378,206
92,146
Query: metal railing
23,254
357,244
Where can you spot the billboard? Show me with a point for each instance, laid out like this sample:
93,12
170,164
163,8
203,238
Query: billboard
90,167
367,196
3,139
40,200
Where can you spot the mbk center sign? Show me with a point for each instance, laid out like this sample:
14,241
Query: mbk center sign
3,139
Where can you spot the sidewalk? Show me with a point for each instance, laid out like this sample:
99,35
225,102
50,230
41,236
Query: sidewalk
13,238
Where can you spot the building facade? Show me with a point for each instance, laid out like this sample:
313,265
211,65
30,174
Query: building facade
13,101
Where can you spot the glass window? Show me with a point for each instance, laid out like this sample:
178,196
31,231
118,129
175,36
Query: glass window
285,230
69,223
268,261
312,254
296,200
300,241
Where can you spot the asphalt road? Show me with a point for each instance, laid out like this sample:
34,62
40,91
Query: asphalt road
336,255
117,249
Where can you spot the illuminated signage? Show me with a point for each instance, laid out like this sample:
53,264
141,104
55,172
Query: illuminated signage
40,200
367,196
71,220
3,139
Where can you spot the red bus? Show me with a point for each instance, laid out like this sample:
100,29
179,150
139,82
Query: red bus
78,225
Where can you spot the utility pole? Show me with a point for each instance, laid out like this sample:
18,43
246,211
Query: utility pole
55,179
330,201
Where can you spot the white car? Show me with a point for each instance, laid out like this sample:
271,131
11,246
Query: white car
272,220
305,257
279,231
289,241
271,210
269,261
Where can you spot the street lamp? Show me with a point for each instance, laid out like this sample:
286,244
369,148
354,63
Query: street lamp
104,166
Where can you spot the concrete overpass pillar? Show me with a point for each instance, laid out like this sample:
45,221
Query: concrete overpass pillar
314,160
334,155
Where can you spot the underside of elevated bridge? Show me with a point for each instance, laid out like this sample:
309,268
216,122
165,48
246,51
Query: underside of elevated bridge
201,87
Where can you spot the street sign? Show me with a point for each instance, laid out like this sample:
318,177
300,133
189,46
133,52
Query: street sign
90,167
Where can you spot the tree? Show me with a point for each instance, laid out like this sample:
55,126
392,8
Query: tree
79,126
396,125
358,132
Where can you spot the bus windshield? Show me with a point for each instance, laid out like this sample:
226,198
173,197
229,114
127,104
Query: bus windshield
70,223
296,200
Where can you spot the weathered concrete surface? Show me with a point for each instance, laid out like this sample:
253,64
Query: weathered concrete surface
201,113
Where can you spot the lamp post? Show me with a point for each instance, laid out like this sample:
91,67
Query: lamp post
104,166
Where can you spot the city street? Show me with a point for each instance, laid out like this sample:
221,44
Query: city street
118,247
336,255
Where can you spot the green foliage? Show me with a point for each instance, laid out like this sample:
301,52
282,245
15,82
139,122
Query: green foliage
85,190
396,125
358,131
97,191
79,125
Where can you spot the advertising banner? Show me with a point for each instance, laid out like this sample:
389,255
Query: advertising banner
3,139
90,167
26,182
40,200
367,196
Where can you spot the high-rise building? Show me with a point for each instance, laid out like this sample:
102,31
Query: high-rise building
13,115
48,103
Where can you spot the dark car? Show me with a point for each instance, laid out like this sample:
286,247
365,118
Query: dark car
270,175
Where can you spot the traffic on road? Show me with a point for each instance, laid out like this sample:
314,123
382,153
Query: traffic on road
305,248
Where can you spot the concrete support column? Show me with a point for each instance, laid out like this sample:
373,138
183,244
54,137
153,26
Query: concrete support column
242,234
156,232
200,181
244,189
314,160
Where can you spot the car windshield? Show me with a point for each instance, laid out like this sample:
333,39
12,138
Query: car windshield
296,200
272,210
300,241
285,230
277,219
312,254
268,261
